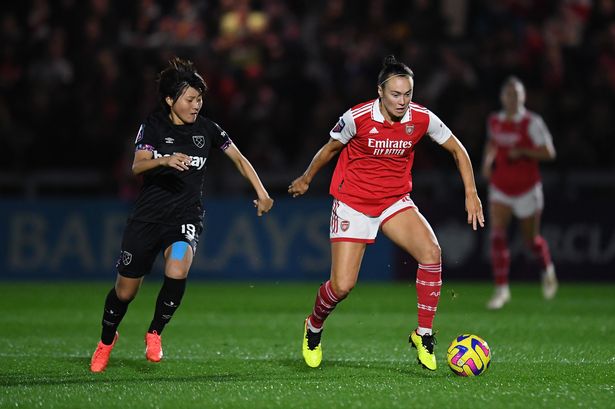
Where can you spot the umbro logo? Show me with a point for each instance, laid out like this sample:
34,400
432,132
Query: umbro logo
373,131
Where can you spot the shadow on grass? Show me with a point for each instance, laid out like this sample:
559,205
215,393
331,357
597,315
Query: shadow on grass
139,371
75,371
369,367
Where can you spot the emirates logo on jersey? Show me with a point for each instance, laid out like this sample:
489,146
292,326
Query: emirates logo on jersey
389,146
199,140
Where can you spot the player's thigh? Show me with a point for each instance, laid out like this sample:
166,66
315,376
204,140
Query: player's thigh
500,215
140,247
179,243
530,227
346,257
411,231
178,260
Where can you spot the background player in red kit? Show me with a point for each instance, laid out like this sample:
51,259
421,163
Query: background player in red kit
371,187
517,140
172,147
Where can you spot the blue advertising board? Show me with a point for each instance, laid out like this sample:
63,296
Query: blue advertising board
80,239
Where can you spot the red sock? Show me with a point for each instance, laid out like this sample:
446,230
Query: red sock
326,300
500,256
540,248
428,284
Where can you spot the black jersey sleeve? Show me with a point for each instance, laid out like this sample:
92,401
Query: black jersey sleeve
220,137
147,137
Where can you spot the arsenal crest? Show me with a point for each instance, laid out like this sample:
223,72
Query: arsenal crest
199,140
126,258
409,129
345,225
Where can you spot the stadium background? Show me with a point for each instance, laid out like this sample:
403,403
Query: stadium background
77,77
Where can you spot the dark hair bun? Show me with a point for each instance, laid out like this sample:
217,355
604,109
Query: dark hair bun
389,60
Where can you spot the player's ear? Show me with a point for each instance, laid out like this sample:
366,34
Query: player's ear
380,91
169,101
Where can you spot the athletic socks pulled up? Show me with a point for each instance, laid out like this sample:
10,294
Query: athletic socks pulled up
428,285
169,299
326,301
114,312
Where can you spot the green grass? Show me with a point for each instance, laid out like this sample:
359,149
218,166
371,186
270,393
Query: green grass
238,346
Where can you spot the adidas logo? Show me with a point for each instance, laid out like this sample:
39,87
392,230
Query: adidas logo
373,131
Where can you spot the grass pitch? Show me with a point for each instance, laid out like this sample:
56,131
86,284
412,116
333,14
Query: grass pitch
238,345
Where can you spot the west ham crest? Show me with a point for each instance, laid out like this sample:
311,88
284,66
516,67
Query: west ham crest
199,140
126,258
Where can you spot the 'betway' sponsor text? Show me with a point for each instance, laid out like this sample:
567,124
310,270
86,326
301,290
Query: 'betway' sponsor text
196,161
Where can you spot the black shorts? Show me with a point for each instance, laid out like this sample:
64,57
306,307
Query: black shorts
143,241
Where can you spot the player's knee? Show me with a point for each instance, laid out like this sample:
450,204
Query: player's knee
536,243
178,272
431,255
126,294
342,289
498,238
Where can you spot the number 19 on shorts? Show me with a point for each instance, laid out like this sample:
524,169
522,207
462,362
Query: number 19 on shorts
189,230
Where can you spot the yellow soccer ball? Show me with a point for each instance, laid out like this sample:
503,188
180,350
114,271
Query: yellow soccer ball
468,355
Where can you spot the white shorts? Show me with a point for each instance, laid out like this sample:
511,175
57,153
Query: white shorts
523,205
347,224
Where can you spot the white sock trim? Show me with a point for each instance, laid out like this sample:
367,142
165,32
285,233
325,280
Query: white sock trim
423,331
312,328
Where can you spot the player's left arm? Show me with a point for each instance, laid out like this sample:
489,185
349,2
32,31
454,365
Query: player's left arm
462,159
264,203
540,135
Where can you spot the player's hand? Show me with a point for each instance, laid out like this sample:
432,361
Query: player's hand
515,153
298,186
263,205
177,161
475,211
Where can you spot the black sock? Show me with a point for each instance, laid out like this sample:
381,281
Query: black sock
169,298
112,316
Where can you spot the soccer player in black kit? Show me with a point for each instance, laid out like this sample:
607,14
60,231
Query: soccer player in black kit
172,146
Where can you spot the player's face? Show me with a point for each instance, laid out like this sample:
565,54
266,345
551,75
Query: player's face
513,96
395,96
186,108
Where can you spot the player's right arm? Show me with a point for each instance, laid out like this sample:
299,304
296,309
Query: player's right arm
144,160
488,159
300,185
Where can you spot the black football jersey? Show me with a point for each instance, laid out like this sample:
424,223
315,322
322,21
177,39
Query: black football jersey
168,195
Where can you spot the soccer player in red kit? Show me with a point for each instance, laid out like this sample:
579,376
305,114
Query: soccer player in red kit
517,140
371,188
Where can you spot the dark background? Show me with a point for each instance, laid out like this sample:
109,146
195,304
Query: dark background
78,77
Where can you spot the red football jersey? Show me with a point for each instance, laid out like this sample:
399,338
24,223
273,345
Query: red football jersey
373,170
525,130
